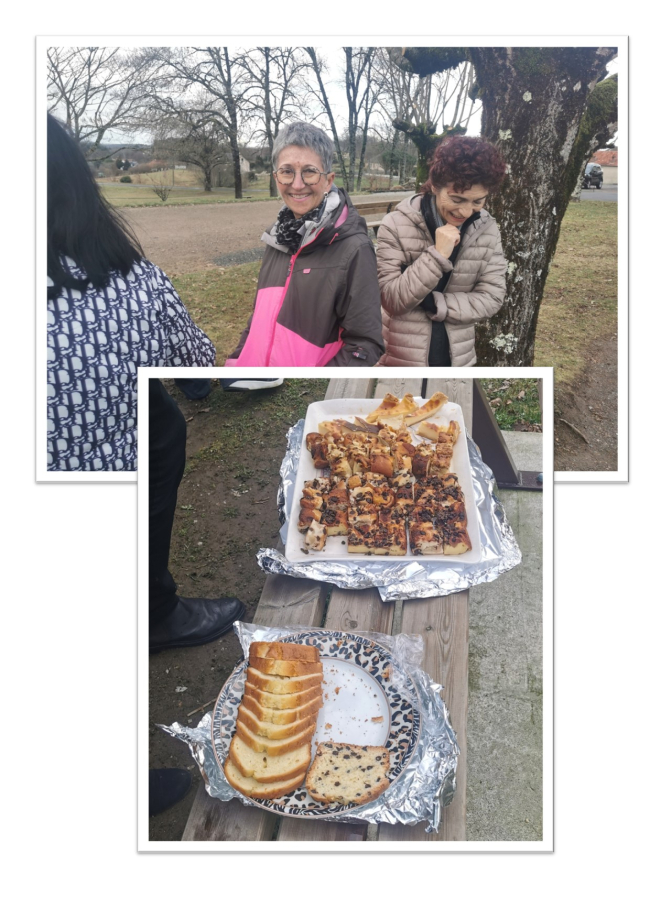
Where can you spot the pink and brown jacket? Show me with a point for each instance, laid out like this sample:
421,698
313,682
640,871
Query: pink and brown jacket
320,306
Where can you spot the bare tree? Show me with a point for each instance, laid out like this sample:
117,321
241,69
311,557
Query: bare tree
97,90
186,128
273,74
438,105
217,74
358,66
319,69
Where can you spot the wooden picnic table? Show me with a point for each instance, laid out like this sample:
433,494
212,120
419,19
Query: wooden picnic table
443,623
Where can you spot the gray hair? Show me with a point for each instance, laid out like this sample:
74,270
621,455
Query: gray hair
302,134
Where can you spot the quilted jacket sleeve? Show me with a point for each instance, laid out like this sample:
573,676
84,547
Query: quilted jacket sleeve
403,291
359,312
486,297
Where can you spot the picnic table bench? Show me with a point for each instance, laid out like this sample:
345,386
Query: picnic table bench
443,623
375,211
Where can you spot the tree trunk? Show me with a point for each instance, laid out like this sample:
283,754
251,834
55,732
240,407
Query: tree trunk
533,102
426,140
312,55
207,177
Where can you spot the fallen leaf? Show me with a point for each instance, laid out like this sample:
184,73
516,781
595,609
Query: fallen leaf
180,689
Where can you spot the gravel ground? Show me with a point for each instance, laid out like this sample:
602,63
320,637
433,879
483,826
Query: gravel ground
182,239
191,238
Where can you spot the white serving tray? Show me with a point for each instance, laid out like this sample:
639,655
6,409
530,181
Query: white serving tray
336,546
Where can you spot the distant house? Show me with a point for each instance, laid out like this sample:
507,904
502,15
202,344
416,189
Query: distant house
608,159
244,164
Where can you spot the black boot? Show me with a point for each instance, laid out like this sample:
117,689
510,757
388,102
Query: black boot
166,788
195,621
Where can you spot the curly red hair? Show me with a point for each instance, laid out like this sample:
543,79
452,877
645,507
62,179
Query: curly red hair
465,161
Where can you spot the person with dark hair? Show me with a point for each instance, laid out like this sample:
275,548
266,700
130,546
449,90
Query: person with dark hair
440,261
109,312
317,300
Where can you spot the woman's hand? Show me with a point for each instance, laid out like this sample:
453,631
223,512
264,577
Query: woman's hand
447,238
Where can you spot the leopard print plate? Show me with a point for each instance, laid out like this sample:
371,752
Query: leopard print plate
393,687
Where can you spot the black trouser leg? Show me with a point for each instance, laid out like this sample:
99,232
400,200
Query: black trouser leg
167,431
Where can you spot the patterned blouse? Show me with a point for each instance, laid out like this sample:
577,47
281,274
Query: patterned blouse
96,341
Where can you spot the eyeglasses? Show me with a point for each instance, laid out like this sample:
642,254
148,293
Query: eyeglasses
310,176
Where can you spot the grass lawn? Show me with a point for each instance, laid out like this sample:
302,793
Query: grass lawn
144,196
580,299
220,301
514,402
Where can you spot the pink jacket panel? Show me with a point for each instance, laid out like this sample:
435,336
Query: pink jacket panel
291,350
255,352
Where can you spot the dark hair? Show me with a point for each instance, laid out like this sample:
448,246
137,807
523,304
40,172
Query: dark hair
80,223
465,161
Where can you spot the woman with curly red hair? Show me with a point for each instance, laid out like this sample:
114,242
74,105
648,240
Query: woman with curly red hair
440,261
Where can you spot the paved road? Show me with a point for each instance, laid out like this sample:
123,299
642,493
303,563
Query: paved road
606,193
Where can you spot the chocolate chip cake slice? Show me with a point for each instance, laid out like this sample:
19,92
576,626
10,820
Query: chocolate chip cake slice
344,773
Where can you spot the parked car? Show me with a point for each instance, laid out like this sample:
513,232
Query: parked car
593,177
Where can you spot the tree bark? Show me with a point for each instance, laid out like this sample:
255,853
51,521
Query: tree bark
533,102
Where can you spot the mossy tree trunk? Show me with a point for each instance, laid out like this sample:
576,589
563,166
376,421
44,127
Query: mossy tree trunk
533,103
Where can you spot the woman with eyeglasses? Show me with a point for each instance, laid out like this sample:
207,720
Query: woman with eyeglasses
317,300
440,261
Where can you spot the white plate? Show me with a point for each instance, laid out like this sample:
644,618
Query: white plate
336,546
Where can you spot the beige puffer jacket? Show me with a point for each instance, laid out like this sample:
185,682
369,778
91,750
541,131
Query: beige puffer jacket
475,290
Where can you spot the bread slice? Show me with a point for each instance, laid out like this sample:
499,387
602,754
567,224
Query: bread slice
284,701
348,774
282,715
283,684
285,668
267,768
273,731
274,747
254,789
284,651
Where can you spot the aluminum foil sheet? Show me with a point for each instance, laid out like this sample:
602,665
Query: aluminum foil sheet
407,579
425,785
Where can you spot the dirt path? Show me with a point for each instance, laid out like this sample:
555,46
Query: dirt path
590,404
182,239
194,237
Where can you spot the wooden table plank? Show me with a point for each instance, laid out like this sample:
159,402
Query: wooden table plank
359,611
398,387
355,388
211,819
295,829
443,622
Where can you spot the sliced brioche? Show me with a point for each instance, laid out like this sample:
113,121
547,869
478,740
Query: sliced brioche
283,684
344,773
267,768
282,701
283,651
282,715
274,747
285,668
254,789
268,729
